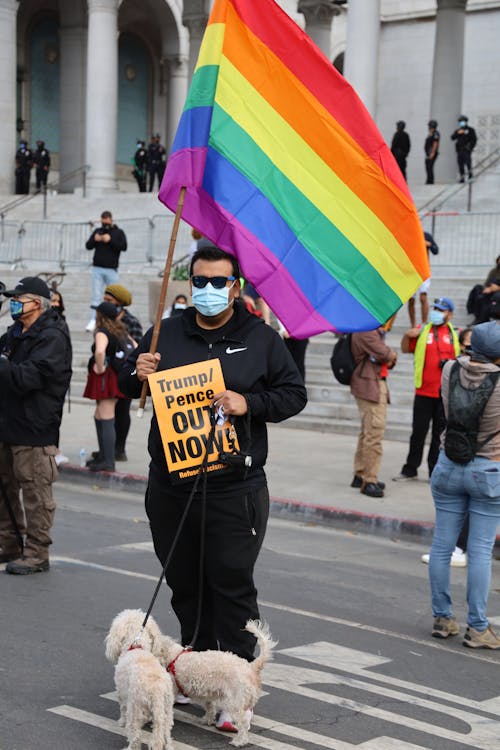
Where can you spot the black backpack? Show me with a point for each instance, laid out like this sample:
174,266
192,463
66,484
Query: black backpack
465,408
342,362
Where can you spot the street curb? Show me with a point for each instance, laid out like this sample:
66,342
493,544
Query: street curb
292,510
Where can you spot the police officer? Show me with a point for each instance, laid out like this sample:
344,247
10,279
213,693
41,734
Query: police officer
400,146
140,162
156,160
41,159
431,148
466,139
24,163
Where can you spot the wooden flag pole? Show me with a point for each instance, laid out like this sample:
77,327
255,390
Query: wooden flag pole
163,293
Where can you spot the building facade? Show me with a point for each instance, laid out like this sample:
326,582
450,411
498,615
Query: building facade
90,77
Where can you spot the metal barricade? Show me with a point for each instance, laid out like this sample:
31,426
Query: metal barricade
464,239
11,238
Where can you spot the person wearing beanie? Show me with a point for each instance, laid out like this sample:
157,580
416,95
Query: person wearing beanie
120,296
466,481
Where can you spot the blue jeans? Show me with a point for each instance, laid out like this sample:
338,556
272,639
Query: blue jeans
101,278
459,490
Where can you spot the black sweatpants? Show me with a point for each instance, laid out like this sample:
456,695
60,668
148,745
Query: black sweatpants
426,410
234,531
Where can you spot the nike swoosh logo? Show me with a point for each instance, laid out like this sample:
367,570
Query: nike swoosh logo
233,351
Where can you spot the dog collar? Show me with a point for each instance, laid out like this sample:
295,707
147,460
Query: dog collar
171,670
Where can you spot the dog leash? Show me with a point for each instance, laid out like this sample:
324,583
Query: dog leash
203,471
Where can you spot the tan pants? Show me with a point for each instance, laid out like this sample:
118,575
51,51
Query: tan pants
368,456
27,474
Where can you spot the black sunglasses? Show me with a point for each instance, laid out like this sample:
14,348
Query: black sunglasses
218,282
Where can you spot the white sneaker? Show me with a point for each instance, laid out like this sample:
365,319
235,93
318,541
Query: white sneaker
60,459
181,699
458,558
90,326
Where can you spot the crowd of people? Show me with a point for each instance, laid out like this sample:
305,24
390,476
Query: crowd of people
464,137
457,397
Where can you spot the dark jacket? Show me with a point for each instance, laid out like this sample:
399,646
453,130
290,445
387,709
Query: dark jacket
465,138
35,371
107,254
370,351
263,371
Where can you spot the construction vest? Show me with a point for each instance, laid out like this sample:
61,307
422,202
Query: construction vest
420,349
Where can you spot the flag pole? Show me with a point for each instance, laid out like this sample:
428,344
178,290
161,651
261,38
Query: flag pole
163,293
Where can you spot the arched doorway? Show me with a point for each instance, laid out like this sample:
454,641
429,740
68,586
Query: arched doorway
134,95
44,67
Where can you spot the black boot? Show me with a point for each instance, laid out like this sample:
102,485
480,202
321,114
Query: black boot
107,447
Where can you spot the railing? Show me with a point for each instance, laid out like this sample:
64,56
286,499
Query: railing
50,245
438,201
44,191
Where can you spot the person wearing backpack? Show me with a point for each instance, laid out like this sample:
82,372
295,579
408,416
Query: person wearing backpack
368,383
466,480
109,351
432,345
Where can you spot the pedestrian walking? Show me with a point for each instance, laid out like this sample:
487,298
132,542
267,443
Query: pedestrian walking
261,384
432,345
107,242
35,372
373,359
431,148
466,483
401,145
465,142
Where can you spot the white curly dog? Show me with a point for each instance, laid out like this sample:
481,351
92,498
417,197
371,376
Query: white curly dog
220,680
145,690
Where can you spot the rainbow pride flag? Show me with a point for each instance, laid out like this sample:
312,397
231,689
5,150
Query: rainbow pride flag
285,169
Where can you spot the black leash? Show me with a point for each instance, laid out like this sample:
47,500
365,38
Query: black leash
203,471
12,517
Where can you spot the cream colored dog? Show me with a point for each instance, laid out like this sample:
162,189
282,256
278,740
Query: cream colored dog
145,690
220,680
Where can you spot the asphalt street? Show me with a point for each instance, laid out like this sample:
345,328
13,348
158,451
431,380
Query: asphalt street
355,667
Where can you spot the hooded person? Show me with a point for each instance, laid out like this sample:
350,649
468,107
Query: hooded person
466,480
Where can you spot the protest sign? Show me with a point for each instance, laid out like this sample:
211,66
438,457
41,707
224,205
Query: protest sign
182,400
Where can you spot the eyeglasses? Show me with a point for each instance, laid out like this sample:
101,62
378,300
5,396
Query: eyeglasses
218,282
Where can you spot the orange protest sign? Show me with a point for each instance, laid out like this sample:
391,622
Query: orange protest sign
182,400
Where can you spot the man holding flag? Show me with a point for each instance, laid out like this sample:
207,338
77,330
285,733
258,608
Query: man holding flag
262,384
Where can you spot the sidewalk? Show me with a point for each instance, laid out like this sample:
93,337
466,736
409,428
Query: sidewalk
308,473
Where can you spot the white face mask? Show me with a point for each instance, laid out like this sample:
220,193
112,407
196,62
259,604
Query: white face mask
436,317
180,306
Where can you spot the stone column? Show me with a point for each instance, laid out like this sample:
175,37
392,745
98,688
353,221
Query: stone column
102,95
318,15
196,24
73,40
361,55
8,12
178,67
447,81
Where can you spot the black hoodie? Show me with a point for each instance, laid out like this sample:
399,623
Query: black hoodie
255,363
35,372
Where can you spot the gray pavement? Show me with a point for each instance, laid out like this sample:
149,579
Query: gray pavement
309,473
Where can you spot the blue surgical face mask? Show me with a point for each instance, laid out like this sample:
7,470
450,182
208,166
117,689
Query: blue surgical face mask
209,301
180,305
436,317
139,145
16,308
462,123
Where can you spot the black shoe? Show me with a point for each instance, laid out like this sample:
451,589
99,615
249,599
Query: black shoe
101,466
96,456
120,456
372,489
24,566
357,483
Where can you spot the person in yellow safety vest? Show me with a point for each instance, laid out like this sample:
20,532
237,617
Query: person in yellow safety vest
432,345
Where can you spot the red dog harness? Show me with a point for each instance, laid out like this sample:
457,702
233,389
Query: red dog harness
171,670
